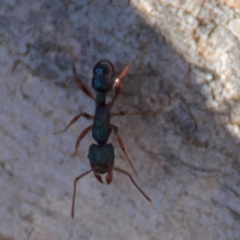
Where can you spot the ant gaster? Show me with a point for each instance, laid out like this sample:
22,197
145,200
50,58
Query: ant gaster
101,155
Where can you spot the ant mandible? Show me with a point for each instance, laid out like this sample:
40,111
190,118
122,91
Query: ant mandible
101,155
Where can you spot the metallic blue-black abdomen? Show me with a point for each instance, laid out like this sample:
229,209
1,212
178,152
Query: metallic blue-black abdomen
103,72
101,83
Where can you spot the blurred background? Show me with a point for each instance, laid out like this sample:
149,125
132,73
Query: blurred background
185,149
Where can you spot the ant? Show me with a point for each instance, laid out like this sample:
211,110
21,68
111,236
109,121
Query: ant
101,155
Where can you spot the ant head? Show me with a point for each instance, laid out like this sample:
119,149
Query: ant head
101,160
103,72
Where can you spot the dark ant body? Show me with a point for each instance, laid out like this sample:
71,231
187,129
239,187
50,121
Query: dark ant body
101,155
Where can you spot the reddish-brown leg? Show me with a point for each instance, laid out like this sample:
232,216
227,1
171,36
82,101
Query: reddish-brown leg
118,84
123,74
115,130
86,115
124,112
135,184
98,177
80,84
109,177
74,190
80,137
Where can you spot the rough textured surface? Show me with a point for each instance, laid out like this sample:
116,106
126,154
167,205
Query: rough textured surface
186,151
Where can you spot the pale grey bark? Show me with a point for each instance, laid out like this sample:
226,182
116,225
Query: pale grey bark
186,150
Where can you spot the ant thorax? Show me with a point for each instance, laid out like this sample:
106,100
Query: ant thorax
101,124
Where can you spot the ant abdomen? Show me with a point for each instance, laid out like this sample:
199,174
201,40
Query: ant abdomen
103,72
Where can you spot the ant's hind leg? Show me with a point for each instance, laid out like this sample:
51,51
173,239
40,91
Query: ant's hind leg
115,130
123,74
86,115
80,137
80,83
118,84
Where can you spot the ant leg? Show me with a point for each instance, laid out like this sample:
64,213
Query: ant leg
123,74
135,184
118,84
115,129
86,115
123,113
98,177
74,190
80,84
109,177
80,137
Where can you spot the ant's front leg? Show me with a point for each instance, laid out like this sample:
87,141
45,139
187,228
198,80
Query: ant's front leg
86,115
118,84
80,137
80,84
120,142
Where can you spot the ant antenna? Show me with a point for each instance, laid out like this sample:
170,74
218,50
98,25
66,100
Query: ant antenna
74,190
135,184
